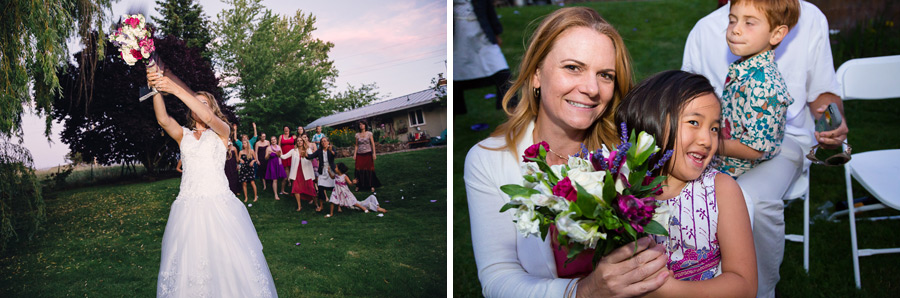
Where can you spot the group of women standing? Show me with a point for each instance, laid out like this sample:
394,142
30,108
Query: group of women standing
305,168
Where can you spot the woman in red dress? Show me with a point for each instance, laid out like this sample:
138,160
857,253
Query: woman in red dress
287,143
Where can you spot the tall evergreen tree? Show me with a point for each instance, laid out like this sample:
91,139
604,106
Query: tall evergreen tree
185,20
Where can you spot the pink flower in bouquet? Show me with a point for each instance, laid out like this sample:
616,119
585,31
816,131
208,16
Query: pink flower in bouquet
534,150
656,191
134,22
637,211
146,44
136,54
565,189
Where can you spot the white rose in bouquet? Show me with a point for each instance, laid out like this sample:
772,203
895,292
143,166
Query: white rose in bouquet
526,221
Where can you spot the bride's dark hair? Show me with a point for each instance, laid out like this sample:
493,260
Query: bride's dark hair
213,105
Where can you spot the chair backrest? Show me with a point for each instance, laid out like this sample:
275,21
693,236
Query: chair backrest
870,78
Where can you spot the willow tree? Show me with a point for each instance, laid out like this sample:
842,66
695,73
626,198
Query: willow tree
33,36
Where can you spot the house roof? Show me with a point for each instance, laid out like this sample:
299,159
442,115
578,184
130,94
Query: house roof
383,107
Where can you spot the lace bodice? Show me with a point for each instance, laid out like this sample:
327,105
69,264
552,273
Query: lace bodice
203,160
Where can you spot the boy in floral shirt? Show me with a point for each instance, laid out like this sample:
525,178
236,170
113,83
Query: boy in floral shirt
755,99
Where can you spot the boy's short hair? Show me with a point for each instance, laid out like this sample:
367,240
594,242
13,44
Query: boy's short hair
779,12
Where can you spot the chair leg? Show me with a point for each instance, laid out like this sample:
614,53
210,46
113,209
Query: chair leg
852,215
806,231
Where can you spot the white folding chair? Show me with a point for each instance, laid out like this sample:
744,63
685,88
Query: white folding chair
800,190
876,171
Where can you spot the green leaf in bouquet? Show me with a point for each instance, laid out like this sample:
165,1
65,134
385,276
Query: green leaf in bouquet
542,152
646,188
508,206
609,189
609,220
530,178
585,201
575,209
545,228
636,178
655,228
574,250
515,190
632,151
546,169
631,232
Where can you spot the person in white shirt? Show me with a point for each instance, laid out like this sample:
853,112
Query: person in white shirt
573,75
804,59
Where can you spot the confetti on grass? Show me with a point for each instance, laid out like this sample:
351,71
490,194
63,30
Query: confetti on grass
303,222
433,201
298,243
490,95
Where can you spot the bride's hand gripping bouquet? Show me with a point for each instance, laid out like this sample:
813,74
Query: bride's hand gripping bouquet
597,200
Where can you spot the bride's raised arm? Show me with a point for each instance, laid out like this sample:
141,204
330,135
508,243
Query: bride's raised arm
162,117
171,84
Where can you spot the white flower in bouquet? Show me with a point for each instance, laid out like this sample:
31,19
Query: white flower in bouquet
580,164
541,200
526,221
591,181
579,231
557,170
646,144
620,183
663,214
559,205
129,59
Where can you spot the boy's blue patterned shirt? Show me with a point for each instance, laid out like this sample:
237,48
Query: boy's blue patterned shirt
754,106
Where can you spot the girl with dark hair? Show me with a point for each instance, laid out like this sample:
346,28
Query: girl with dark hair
231,169
261,147
364,155
682,110
341,195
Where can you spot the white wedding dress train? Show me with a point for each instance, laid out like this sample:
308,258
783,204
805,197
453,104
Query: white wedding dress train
210,247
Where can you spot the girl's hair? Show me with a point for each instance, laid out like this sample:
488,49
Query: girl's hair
363,122
655,105
602,131
341,167
213,105
246,146
300,143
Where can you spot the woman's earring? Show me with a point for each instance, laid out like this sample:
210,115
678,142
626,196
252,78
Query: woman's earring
537,93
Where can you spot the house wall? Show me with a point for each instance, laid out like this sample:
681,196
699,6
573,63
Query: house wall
435,121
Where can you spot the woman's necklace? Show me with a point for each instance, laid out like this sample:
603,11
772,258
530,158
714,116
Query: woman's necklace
557,154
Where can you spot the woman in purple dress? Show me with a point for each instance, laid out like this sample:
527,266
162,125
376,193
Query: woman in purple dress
274,169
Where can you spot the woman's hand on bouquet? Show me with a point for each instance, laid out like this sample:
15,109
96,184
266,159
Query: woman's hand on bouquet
162,83
624,273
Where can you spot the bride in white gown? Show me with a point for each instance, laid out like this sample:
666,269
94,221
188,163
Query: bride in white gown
210,247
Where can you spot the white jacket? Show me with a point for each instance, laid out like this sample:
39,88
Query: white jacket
509,265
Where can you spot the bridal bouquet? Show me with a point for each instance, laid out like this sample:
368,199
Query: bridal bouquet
598,200
134,40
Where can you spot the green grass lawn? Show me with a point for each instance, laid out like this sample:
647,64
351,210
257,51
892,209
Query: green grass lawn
655,32
105,241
